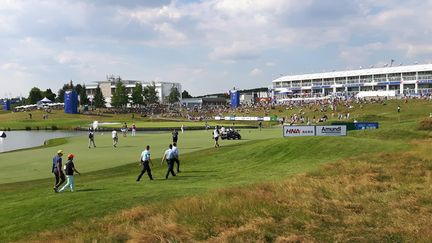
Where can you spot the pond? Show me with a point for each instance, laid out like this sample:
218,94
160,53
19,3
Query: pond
27,139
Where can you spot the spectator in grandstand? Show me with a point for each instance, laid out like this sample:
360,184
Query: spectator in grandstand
168,157
144,162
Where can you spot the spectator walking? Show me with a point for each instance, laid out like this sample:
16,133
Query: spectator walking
69,171
216,136
168,157
144,161
57,170
176,156
91,138
114,138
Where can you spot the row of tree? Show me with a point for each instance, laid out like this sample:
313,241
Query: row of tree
141,96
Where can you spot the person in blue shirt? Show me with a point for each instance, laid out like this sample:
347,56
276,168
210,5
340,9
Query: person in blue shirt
169,156
57,170
144,161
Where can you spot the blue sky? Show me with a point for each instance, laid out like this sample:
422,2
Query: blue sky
208,46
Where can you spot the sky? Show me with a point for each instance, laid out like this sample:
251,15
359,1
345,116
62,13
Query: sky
208,46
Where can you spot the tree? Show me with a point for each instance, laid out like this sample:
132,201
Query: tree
34,96
120,97
49,94
98,99
84,100
150,94
174,95
186,94
137,95
61,92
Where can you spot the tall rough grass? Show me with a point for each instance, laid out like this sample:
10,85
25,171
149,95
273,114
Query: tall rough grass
382,198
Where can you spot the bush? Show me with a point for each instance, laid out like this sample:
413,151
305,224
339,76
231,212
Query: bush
27,128
426,124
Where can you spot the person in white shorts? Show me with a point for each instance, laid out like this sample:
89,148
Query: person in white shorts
114,138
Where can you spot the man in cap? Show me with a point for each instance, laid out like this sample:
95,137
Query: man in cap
57,170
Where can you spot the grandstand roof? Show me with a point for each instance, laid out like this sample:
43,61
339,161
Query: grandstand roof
358,72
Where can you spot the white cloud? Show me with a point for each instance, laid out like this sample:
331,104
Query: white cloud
256,72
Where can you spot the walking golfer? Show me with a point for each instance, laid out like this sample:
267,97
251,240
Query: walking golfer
176,156
57,170
168,156
69,171
144,161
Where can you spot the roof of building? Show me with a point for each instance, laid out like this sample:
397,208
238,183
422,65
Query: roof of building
358,72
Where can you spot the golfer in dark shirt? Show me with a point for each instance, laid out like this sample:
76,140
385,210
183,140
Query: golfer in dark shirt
57,170
175,136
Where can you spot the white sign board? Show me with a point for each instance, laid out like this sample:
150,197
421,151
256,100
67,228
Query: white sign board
331,130
298,131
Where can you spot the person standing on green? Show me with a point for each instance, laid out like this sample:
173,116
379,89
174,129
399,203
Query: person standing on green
57,170
69,171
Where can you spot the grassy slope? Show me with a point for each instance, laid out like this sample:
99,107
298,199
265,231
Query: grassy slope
20,120
107,191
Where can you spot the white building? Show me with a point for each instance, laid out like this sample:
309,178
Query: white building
387,81
108,88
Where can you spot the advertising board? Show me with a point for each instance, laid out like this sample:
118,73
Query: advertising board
332,130
366,125
298,131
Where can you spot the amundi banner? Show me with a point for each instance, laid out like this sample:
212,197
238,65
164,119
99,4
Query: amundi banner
301,131
334,130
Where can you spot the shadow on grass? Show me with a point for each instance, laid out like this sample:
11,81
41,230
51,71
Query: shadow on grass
90,190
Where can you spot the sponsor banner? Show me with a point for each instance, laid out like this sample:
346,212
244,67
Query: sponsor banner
245,118
425,81
298,131
332,130
366,125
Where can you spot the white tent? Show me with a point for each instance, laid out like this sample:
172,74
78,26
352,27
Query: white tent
45,100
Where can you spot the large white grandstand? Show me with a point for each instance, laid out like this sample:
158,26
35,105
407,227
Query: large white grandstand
387,81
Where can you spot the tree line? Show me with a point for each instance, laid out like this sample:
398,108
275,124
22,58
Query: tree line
140,96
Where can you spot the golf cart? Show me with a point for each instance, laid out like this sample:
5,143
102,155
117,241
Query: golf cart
230,134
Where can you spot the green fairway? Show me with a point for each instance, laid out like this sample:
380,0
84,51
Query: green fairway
36,163
107,186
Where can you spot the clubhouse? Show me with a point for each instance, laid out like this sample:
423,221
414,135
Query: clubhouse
412,80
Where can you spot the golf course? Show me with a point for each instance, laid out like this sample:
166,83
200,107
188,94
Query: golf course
368,186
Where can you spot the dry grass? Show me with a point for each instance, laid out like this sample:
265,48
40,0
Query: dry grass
426,124
381,198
